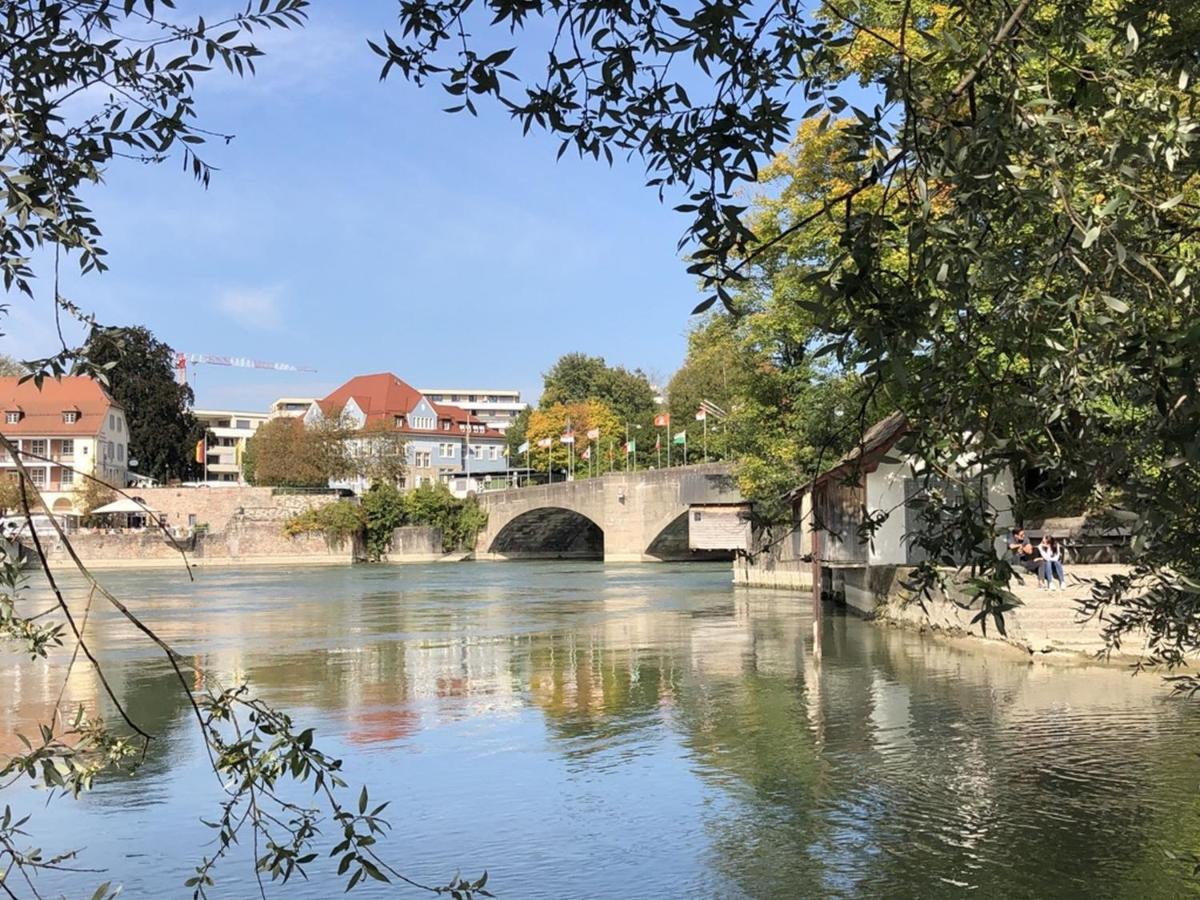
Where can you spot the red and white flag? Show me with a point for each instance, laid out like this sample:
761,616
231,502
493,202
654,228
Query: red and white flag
586,454
593,434
701,414
545,443
662,420
568,437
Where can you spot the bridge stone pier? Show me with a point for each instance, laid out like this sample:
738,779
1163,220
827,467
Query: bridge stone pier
619,517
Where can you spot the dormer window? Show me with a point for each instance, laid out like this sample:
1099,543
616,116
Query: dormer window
12,416
398,421
70,416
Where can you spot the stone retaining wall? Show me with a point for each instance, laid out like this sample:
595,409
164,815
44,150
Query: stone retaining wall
217,506
1046,621
776,560
415,543
241,543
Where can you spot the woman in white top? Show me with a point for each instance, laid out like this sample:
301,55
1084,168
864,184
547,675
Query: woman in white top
1052,562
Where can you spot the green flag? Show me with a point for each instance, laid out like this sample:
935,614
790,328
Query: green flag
680,438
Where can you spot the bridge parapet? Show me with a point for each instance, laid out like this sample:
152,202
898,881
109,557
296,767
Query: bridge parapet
622,515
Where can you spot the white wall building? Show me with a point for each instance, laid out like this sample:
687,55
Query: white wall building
290,407
68,430
226,434
496,407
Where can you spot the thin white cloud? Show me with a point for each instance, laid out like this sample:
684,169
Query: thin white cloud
256,308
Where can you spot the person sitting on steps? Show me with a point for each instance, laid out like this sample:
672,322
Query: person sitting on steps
1024,555
1053,568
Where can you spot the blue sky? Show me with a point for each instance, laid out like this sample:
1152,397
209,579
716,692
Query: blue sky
355,227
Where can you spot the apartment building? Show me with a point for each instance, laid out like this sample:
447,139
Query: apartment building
226,434
291,407
497,408
440,438
68,429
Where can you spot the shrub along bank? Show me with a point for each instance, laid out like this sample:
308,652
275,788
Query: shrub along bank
383,509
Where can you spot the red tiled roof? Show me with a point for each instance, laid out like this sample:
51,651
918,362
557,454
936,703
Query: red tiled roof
379,396
383,396
42,410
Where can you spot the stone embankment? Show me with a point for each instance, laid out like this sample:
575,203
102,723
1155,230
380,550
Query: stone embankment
213,527
1045,622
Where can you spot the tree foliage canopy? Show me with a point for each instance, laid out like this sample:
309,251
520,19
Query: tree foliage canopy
550,423
285,452
577,377
140,370
1006,251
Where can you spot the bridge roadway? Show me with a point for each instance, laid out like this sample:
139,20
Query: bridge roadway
620,517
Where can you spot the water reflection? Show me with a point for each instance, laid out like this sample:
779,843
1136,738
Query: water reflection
654,728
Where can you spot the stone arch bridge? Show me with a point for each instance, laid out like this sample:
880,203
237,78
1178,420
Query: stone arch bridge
618,517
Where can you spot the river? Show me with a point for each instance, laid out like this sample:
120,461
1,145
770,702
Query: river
590,731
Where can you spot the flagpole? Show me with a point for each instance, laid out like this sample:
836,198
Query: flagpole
670,440
626,447
706,436
658,452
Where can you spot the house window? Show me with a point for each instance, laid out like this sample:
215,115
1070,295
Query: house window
423,459
68,448
477,452
37,476
493,452
120,453
37,448
70,416
244,424
12,417
112,422
398,421
424,423
449,451
66,477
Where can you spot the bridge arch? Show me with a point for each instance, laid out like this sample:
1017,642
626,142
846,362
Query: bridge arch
549,531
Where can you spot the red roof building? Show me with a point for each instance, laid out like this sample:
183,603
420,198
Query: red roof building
440,439
68,429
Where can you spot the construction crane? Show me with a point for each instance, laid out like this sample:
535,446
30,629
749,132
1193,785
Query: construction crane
182,360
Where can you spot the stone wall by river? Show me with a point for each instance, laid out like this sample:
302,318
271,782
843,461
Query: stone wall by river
262,543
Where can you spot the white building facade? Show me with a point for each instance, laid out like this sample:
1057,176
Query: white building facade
495,407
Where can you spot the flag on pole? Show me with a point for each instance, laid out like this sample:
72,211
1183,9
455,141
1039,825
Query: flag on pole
680,438
593,434
545,443
567,438
701,414
586,454
662,420
657,442
200,449
524,448
630,447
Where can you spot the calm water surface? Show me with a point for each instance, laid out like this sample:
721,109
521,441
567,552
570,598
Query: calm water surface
585,731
